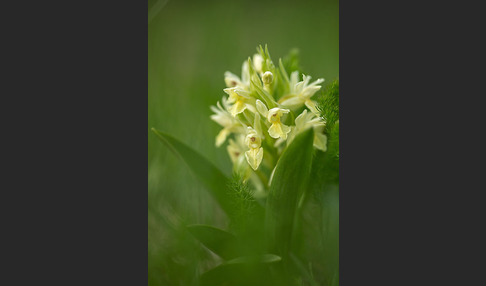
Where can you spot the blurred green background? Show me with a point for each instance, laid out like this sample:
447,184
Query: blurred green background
190,46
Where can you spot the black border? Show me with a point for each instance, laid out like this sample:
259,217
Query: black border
75,193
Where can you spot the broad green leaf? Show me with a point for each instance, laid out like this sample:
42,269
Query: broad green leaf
319,237
288,186
246,270
211,177
217,240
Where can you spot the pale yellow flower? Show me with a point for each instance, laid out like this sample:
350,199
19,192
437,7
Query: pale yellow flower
236,148
253,140
254,156
301,93
277,129
226,120
240,100
309,120
233,80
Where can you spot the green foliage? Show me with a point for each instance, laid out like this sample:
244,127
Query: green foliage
246,216
319,233
267,64
288,186
242,200
326,164
328,103
217,240
214,180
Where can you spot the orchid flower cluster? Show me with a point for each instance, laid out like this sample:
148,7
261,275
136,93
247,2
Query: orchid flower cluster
263,112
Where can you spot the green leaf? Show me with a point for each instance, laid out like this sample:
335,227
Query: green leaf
211,177
217,240
247,270
288,186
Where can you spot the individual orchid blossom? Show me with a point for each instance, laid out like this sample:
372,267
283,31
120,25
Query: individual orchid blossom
277,129
254,156
309,120
253,139
301,92
240,99
236,148
225,119
233,80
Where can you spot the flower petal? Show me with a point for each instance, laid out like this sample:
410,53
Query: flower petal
293,101
238,108
242,92
262,108
309,91
320,141
257,125
278,130
231,79
274,131
301,119
254,157
245,73
221,137
294,78
312,106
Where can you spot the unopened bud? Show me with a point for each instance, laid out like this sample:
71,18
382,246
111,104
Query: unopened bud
267,78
